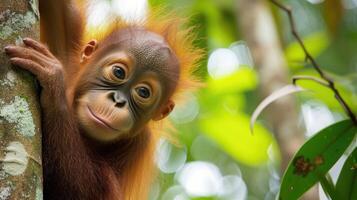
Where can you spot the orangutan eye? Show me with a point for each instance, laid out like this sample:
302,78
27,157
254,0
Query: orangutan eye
119,72
143,92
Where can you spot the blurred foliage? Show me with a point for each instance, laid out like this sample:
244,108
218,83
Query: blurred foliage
222,104
215,127
315,44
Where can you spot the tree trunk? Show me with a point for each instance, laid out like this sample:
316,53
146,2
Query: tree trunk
20,136
259,31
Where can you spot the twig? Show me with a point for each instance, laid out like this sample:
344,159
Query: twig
311,78
330,82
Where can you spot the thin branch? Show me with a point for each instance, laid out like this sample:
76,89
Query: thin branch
311,78
330,82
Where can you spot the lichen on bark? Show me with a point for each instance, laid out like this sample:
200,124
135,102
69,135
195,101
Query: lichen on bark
20,138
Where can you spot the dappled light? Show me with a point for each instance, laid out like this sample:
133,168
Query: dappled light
170,158
187,112
315,1
243,53
222,62
316,116
103,10
200,179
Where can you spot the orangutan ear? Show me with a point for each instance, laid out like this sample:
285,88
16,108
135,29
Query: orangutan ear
88,50
164,111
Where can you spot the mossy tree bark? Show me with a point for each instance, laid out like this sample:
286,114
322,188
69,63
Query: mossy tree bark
20,138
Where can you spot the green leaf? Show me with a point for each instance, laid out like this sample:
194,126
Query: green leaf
346,186
315,158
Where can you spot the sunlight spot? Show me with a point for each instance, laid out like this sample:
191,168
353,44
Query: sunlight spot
133,10
315,1
233,187
100,11
222,62
186,113
316,116
170,158
242,52
175,193
200,179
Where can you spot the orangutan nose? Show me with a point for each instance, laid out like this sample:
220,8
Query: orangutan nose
118,98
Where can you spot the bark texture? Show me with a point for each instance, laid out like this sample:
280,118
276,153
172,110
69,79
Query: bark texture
20,138
259,31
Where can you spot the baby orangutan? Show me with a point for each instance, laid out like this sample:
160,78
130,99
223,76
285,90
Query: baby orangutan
98,99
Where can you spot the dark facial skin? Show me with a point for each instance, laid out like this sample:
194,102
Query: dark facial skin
131,81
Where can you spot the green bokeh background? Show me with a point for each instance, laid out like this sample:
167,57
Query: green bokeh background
219,131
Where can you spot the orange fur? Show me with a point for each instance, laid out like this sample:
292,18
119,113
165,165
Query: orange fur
78,168
136,182
139,172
